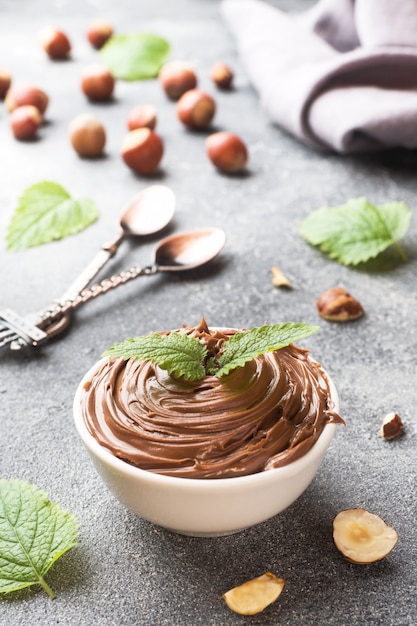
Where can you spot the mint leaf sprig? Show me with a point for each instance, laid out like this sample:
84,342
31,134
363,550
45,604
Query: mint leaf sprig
45,212
185,356
247,345
135,56
357,231
34,533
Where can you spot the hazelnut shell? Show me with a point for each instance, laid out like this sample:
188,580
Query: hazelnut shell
227,152
99,32
177,77
142,116
142,151
338,305
97,82
25,121
5,82
87,135
222,76
21,94
196,109
55,43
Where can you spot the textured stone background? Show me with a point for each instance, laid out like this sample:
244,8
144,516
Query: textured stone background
126,571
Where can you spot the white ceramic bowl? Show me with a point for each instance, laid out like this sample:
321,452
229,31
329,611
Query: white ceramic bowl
204,507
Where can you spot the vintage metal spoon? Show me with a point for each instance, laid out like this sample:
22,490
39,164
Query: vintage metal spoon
147,213
179,252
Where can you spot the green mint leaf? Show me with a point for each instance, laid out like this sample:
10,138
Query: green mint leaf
46,212
357,231
135,56
245,346
34,533
178,353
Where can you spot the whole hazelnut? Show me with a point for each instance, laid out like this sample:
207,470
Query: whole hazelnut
221,75
97,82
87,135
142,116
227,152
142,150
338,305
55,43
99,32
196,109
177,77
21,94
25,121
5,82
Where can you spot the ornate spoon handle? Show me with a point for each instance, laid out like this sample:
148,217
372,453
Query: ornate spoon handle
60,308
36,329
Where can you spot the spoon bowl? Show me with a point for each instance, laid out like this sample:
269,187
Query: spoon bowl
188,250
148,212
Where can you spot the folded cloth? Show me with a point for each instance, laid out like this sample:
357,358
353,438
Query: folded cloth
340,76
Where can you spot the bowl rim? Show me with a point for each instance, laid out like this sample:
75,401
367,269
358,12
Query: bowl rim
120,466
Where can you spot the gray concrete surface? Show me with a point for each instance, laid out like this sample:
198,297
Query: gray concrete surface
126,571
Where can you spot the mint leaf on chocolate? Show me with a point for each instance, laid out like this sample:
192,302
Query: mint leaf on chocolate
46,212
34,533
245,346
177,353
358,230
134,56
183,355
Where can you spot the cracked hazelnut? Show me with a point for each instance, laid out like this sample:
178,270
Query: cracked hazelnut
392,426
87,135
142,116
196,109
97,82
221,75
177,77
227,152
25,121
5,82
142,150
99,32
338,305
278,277
21,94
55,43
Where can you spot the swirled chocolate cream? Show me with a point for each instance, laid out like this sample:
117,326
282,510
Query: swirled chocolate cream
259,416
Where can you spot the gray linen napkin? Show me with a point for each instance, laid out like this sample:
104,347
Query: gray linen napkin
340,76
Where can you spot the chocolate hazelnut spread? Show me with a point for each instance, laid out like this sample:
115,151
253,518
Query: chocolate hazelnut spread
260,416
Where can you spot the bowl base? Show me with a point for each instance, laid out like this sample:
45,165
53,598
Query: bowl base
208,535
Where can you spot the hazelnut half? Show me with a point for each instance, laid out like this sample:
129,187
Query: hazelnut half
338,305
99,32
227,152
196,109
5,81
221,75
55,43
254,595
142,150
97,82
21,94
25,121
362,537
177,77
142,116
87,135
